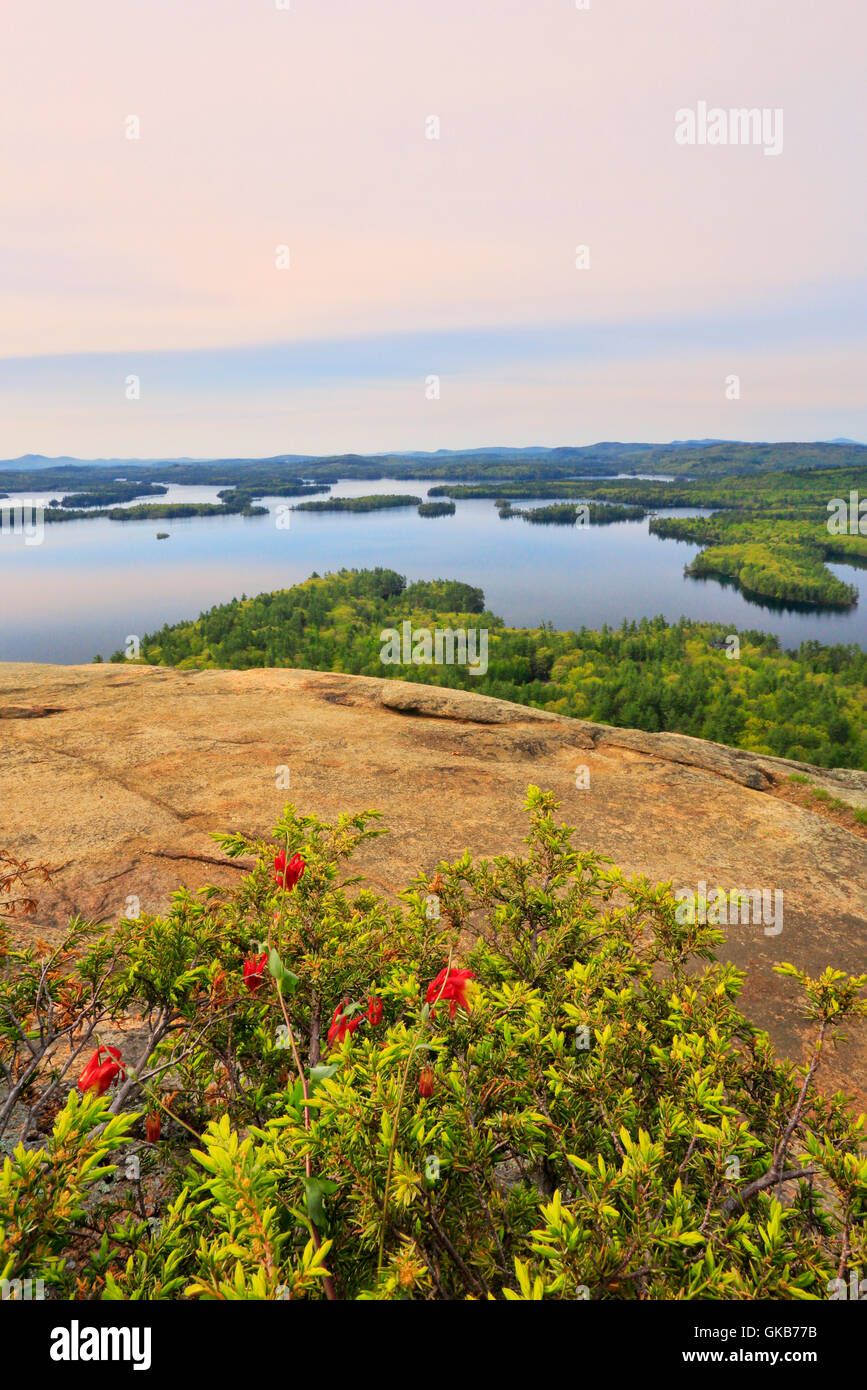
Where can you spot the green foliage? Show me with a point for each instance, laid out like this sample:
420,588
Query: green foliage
784,489
112,492
234,504
44,1192
288,487
603,1122
566,514
374,502
436,509
781,560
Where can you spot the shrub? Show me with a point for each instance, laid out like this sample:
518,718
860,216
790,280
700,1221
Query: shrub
526,1080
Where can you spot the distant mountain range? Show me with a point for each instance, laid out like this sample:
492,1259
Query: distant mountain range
610,449
67,461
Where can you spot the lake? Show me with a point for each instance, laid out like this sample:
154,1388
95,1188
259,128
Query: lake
92,583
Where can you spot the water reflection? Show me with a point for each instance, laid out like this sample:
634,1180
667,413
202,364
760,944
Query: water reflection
93,583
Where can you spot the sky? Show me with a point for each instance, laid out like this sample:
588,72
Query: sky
235,229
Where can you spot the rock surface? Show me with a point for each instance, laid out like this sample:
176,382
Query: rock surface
114,775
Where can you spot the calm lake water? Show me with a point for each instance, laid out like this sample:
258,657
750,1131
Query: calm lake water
92,583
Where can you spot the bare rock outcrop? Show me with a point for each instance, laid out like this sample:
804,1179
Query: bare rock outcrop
115,775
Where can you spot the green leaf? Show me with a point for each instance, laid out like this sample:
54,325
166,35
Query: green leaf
287,983
324,1072
314,1190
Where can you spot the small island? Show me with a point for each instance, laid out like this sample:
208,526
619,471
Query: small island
374,502
571,513
117,491
436,509
295,487
158,511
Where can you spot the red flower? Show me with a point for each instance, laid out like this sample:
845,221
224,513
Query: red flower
152,1127
452,987
99,1073
340,1026
426,1082
287,875
254,971
374,1010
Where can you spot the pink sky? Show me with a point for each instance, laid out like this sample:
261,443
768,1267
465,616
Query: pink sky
306,127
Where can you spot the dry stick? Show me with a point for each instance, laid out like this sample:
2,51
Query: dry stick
780,1156
28,1041
393,1143
611,1130
844,1253
315,1043
42,978
771,1179
556,1131
329,1287
715,1186
682,1165
434,1273
161,1103
775,1174
478,1186
156,1034
38,1058
203,858
477,1282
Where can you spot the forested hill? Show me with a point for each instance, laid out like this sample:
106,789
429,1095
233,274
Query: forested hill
682,459
650,675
